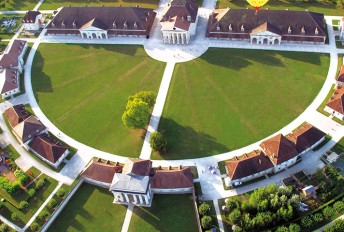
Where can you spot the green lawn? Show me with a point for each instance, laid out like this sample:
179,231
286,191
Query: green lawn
83,90
19,4
321,6
90,209
54,4
168,213
229,98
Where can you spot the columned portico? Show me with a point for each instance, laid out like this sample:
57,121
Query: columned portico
176,37
90,34
259,39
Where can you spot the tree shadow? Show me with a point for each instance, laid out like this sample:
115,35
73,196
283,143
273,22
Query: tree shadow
293,3
130,50
185,142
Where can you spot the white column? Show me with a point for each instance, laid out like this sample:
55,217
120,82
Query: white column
183,35
140,198
120,197
173,38
178,38
146,199
126,197
135,198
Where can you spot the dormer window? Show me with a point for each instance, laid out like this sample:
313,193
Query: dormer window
242,28
230,27
316,31
114,24
135,24
125,24
53,24
74,24
63,24
218,27
303,30
289,30
189,18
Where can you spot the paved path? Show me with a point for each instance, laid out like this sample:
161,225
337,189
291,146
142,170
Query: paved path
218,215
126,223
38,5
42,206
158,108
10,224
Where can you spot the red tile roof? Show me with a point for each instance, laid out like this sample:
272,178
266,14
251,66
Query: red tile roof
30,16
340,77
29,128
279,149
337,100
305,137
168,179
16,114
247,165
48,148
101,171
137,166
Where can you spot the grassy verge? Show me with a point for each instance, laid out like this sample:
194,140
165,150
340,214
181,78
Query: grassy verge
326,140
323,104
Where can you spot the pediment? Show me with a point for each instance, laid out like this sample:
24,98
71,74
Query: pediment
91,28
265,33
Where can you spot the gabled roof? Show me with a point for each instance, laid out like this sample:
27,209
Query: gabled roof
10,79
137,166
281,20
48,148
168,179
129,183
175,22
16,114
30,16
94,23
305,137
29,128
247,165
101,171
266,27
181,8
279,149
337,100
340,77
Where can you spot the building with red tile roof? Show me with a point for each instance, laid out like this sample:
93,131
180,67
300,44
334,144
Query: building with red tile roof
248,166
28,129
340,77
335,105
280,151
16,114
33,20
48,149
306,138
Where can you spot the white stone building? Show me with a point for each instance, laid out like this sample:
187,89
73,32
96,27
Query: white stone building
341,30
335,105
33,21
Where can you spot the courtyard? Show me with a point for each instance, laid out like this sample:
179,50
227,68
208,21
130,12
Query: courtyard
168,213
230,98
90,209
87,103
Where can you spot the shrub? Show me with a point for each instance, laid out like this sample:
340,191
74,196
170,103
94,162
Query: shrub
328,212
329,229
31,192
232,203
61,193
294,228
238,229
203,209
43,215
338,225
235,216
158,142
35,227
4,228
306,221
40,183
23,205
14,216
206,222
52,203
10,187
146,96
338,206
282,229
318,217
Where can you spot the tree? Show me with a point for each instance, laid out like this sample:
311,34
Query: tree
4,228
328,212
203,209
206,222
61,193
263,219
158,142
31,192
35,227
318,217
232,203
52,203
235,216
282,229
136,115
294,228
43,215
263,205
338,206
329,229
146,96
238,229
306,221
338,225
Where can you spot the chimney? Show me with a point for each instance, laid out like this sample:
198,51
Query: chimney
180,167
189,18
169,168
159,168
260,161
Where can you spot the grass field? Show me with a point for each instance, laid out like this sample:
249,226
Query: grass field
229,98
83,90
54,4
19,4
90,209
321,6
168,213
